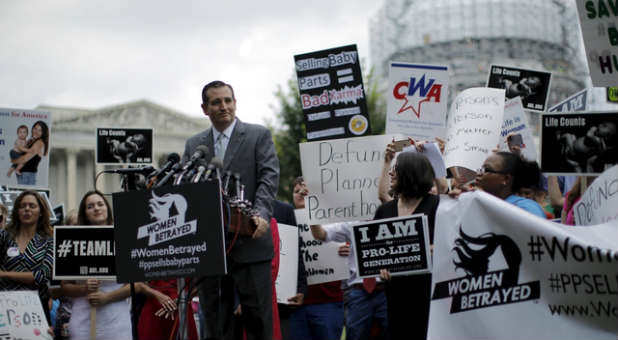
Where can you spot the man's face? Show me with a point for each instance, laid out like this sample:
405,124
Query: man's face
221,107
300,191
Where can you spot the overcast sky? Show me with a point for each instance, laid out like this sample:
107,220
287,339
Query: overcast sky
98,53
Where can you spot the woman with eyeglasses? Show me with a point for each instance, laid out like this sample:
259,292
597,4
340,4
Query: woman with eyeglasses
503,174
26,248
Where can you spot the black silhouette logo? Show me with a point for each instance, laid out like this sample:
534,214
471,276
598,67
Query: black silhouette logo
480,287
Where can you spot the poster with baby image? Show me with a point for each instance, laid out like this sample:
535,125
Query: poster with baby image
126,146
25,137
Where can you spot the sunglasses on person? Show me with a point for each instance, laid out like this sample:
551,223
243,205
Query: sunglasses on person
483,170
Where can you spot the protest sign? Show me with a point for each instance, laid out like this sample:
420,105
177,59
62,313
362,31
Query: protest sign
126,146
612,94
22,316
169,232
473,127
332,93
287,277
599,203
515,127
503,273
400,245
597,20
416,102
529,85
342,176
84,252
24,147
321,259
578,143
576,102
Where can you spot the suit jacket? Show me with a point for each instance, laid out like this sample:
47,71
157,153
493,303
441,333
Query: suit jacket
251,153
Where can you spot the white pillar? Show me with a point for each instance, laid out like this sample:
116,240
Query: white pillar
71,178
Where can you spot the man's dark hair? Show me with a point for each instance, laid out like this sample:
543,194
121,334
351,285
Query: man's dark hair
298,180
414,175
213,85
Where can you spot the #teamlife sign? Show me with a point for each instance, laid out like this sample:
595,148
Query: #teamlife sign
126,146
169,232
531,86
578,143
22,316
598,23
399,244
416,100
574,103
82,252
332,93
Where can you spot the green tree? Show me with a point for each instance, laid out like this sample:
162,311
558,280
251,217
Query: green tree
289,128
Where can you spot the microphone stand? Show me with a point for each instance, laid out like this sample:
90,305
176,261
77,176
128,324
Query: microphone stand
128,184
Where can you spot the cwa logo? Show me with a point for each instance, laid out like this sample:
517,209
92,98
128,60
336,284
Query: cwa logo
481,288
167,227
426,91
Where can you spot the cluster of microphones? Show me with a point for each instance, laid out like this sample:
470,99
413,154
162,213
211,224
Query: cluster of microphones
196,169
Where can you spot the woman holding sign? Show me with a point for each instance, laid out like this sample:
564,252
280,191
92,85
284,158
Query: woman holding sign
408,296
26,248
113,320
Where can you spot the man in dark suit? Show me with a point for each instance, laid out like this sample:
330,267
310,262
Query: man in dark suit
246,149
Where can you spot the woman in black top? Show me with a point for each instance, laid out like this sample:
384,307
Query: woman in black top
408,296
38,147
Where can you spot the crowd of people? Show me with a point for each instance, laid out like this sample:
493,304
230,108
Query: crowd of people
243,302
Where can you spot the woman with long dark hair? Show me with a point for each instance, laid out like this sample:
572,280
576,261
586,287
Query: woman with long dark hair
113,320
37,148
26,248
408,296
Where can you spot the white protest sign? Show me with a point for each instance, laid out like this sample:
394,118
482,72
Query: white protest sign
503,273
598,23
416,101
22,316
516,123
342,176
599,203
473,127
322,260
432,152
287,277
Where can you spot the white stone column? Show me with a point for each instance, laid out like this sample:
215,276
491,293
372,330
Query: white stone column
71,177
100,182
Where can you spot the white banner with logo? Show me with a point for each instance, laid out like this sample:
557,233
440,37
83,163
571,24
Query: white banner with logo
599,203
515,125
598,23
473,127
342,176
503,273
416,101
22,316
322,260
287,277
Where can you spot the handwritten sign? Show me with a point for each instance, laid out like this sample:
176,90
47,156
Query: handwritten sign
599,202
598,22
342,176
287,277
22,316
516,123
417,98
322,261
473,127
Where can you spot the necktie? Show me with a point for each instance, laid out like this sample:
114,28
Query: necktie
369,284
219,152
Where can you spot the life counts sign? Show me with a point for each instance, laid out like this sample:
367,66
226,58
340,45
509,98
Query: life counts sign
332,94
84,252
399,244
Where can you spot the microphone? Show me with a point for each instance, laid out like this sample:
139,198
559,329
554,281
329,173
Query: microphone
167,177
200,171
227,176
172,159
200,151
126,171
215,163
238,184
